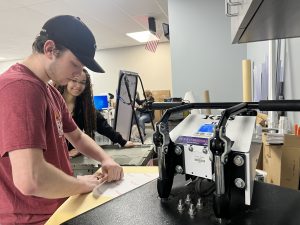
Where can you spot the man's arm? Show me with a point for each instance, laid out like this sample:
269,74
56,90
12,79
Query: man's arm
89,147
32,175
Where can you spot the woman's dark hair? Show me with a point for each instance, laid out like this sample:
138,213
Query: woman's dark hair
84,105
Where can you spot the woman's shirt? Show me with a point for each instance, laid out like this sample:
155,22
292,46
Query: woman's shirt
102,127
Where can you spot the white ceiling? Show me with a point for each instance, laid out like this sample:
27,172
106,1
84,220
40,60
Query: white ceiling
110,20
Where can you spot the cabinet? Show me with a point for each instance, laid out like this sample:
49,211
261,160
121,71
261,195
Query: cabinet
259,20
240,14
236,10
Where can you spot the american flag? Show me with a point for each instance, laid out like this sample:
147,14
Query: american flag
152,45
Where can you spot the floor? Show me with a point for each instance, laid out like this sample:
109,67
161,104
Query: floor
149,135
135,137
148,140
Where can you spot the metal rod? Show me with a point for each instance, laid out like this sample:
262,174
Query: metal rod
219,175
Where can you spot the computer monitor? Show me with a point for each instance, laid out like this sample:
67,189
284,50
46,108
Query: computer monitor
101,101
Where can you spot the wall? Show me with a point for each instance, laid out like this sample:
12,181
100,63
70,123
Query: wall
154,68
202,55
4,65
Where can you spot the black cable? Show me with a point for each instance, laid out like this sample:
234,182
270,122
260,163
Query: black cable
204,187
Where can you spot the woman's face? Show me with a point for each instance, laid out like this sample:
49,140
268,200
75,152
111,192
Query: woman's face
76,85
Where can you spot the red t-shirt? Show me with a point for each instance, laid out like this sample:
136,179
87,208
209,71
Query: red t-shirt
33,115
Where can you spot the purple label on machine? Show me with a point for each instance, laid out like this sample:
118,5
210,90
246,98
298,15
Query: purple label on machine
192,140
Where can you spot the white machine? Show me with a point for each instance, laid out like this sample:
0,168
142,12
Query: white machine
222,149
194,133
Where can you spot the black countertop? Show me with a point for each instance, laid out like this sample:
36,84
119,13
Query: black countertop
271,205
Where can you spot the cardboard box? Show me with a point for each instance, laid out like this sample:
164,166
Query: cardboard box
159,96
281,162
259,165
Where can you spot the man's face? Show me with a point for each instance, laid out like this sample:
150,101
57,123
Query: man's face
64,67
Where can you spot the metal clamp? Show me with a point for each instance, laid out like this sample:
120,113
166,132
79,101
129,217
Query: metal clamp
162,144
230,3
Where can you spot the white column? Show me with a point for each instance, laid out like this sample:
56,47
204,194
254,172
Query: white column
272,116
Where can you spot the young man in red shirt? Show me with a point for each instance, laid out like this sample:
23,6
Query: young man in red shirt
35,170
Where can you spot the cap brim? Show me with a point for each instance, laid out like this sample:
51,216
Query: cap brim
90,63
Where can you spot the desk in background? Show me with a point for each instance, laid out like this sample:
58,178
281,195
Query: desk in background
136,156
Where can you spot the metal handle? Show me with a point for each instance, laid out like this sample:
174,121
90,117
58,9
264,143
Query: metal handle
230,3
233,3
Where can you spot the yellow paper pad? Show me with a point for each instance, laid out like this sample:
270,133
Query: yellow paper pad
78,204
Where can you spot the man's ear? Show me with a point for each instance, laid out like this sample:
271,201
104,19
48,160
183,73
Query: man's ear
49,47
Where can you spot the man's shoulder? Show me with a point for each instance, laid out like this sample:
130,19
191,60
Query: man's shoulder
15,77
55,94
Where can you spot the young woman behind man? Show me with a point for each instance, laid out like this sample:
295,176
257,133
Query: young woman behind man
78,95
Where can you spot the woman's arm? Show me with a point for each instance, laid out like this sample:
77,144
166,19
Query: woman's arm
105,129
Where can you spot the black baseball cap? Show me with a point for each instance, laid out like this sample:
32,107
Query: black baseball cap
73,34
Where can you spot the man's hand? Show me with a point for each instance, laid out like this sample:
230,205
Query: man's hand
92,181
112,170
129,144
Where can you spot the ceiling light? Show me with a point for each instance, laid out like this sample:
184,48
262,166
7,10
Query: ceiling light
2,58
143,36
